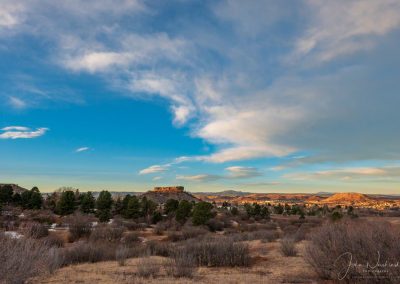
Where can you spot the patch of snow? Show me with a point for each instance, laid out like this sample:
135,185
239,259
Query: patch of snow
13,234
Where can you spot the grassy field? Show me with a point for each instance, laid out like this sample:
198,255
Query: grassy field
269,266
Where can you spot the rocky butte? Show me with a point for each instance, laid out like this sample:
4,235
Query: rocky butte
162,194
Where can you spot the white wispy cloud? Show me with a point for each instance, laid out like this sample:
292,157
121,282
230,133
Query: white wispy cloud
16,128
82,149
154,169
198,178
10,14
344,27
157,178
348,173
17,103
242,172
21,132
234,172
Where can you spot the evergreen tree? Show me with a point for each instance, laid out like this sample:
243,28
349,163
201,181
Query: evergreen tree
336,216
264,213
133,209
78,198
234,211
171,206
202,212
51,201
157,217
147,207
118,206
36,199
256,209
16,199
87,202
6,194
103,205
183,211
278,209
104,215
125,202
66,203
25,199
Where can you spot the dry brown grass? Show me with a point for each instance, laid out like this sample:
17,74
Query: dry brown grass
288,247
269,266
335,246
23,258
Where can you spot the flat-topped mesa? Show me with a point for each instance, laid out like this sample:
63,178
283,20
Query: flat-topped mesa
169,189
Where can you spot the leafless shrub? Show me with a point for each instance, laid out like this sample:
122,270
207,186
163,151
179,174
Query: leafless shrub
226,219
263,235
41,216
79,226
130,239
24,258
169,225
181,265
297,222
334,245
148,267
219,252
288,247
174,236
289,230
302,232
89,252
35,230
53,241
158,229
106,233
268,226
55,259
159,248
244,227
188,232
121,254
215,225
134,226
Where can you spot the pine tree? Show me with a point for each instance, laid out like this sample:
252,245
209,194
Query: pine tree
66,204
171,206
103,205
202,212
118,207
133,209
183,211
87,202
6,194
36,199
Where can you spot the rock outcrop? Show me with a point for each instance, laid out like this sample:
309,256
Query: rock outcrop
160,195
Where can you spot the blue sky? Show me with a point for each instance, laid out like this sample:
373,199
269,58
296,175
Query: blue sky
262,96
